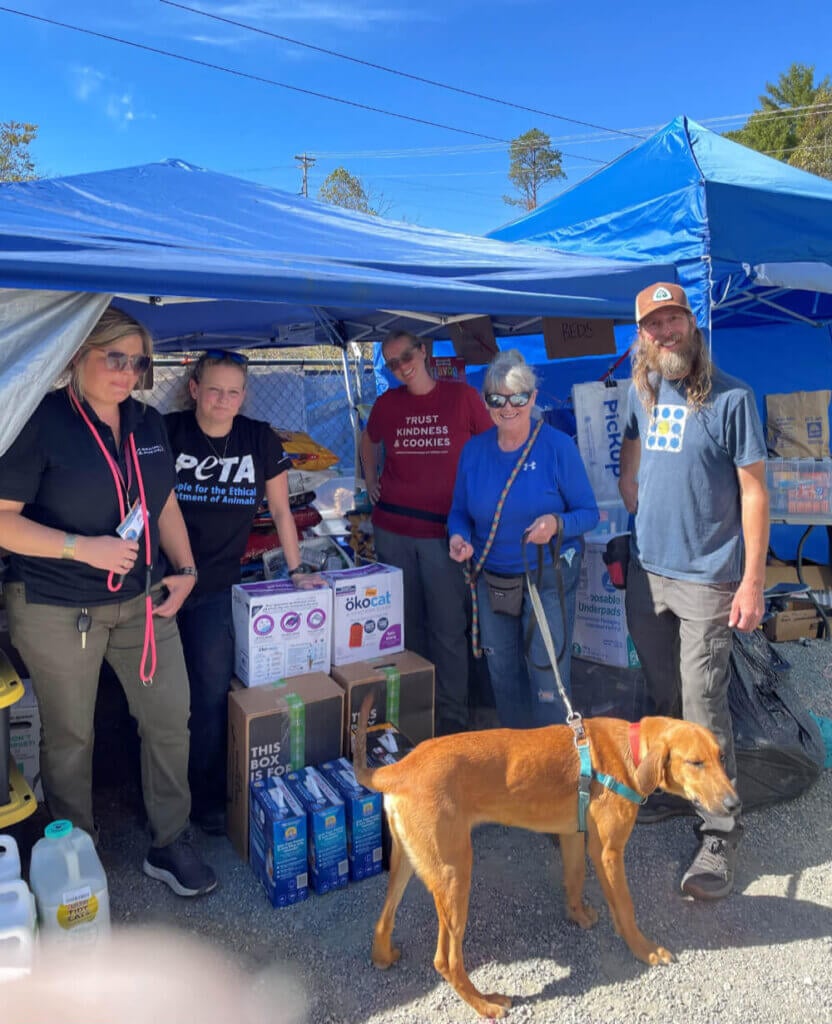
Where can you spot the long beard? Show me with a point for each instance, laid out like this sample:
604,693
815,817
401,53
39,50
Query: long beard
671,365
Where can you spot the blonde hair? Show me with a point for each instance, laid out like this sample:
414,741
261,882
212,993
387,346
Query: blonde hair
698,379
113,325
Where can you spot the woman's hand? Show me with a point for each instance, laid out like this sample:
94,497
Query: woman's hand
179,587
460,550
307,580
542,529
112,554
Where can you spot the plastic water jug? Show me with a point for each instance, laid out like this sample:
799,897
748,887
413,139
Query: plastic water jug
9,859
70,887
17,929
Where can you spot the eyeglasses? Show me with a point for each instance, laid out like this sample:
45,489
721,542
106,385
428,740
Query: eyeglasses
406,357
119,361
225,356
494,400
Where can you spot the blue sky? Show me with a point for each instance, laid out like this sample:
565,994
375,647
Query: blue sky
629,67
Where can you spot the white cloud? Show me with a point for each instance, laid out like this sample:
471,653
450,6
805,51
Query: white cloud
264,13
86,81
101,92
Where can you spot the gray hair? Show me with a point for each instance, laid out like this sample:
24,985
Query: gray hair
509,370
113,325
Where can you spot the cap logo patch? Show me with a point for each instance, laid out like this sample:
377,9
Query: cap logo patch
661,295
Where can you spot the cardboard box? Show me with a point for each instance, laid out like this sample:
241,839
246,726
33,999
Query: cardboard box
273,729
326,829
601,632
570,339
816,577
367,612
403,685
24,738
386,745
363,810
280,632
277,828
797,619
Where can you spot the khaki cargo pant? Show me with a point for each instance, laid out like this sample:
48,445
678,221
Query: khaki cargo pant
65,681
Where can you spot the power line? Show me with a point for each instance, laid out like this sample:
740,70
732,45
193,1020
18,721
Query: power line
393,71
250,77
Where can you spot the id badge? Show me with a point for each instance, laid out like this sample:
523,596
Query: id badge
132,526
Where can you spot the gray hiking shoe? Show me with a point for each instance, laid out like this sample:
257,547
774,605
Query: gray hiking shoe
711,875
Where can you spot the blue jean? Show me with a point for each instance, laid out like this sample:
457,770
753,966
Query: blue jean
208,642
526,695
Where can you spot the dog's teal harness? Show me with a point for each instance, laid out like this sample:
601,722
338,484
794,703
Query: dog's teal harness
587,774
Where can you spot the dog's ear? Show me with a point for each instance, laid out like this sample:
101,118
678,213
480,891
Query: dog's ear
650,772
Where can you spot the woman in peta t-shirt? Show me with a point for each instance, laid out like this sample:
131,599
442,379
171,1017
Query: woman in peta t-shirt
225,463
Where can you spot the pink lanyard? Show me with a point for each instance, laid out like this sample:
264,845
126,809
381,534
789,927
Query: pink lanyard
149,647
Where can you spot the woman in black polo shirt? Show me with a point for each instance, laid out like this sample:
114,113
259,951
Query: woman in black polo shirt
89,470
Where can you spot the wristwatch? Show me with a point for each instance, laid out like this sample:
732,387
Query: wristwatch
188,570
304,569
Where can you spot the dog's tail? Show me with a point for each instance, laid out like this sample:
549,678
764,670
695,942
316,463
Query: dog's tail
363,773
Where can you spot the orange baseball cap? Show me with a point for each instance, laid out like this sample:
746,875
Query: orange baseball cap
658,296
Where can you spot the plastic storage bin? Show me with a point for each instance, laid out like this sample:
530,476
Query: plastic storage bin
799,487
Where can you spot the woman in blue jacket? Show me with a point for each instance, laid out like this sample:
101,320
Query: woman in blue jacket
550,488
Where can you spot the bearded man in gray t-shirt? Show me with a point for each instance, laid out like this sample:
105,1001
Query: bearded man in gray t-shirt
693,472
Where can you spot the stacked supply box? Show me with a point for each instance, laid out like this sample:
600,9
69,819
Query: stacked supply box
273,729
363,810
799,487
367,612
280,631
326,831
402,685
277,826
386,745
601,632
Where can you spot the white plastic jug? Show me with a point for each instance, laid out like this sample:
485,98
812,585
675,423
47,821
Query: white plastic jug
9,859
17,928
70,886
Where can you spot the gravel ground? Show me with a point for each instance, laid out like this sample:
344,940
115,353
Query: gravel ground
764,954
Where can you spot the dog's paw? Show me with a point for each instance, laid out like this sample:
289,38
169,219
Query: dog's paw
659,955
386,958
494,1005
584,915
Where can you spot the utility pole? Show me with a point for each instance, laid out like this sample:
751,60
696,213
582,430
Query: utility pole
306,162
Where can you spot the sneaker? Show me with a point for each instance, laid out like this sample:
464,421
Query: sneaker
179,866
661,805
711,875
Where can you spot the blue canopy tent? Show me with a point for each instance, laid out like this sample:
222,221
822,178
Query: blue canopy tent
206,259
750,237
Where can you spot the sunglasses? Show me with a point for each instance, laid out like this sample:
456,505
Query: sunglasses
226,356
119,361
494,400
406,357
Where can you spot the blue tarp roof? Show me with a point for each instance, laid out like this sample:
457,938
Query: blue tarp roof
759,229
279,263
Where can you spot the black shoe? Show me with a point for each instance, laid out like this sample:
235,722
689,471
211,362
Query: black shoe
212,823
661,805
711,875
179,866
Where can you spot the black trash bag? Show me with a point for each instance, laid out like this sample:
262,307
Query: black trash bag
779,748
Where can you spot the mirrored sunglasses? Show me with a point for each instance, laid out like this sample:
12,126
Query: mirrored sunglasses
119,361
406,357
225,355
494,400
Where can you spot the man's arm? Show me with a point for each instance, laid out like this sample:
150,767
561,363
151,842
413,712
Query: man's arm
628,464
748,605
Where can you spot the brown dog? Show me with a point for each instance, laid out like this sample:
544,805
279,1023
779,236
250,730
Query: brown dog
529,779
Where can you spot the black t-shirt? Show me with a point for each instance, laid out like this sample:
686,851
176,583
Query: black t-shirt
56,468
220,481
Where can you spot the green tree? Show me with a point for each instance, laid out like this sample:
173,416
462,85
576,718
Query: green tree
814,137
340,188
533,163
16,163
772,129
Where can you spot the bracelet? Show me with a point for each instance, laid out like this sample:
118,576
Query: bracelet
68,551
302,570
188,570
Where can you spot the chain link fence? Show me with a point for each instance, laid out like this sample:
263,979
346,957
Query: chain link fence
309,395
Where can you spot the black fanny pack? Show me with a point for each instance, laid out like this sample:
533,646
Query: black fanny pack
505,593
617,558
